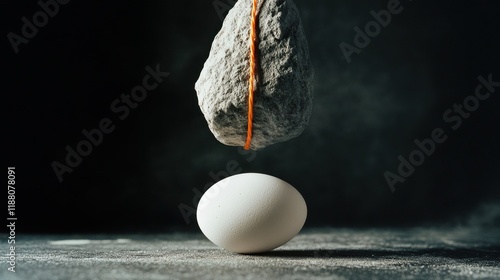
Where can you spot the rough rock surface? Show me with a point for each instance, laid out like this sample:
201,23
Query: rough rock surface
283,95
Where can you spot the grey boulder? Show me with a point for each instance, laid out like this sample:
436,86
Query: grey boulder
283,94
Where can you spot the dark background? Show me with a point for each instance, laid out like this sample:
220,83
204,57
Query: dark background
366,114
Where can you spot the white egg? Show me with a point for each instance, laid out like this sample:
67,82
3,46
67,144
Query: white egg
251,213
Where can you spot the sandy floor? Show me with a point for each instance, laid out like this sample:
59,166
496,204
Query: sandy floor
313,254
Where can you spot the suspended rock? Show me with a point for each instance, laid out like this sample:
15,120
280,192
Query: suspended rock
283,95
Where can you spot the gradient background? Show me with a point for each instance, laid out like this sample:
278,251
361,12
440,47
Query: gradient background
365,114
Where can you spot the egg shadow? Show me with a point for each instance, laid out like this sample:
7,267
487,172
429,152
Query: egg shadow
485,253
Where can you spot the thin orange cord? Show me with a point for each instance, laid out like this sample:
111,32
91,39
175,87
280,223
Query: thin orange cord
251,81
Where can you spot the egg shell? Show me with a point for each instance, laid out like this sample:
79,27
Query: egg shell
251,213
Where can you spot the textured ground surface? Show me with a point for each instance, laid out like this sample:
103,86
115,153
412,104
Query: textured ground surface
314,254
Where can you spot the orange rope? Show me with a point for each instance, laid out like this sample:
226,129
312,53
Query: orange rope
251,82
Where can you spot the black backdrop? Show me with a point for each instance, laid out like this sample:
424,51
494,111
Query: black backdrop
366,114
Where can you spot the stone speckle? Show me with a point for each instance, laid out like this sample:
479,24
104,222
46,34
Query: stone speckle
283,96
